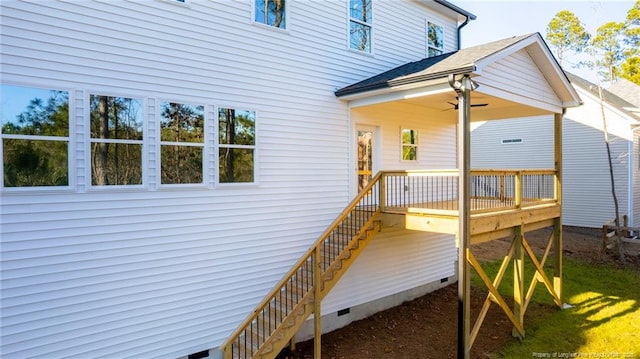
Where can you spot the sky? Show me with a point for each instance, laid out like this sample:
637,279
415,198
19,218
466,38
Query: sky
502,19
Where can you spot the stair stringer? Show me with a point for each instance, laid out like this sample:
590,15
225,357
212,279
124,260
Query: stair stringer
281,337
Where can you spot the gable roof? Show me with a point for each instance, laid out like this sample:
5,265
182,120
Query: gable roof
607,96
457,62
471,61
626,90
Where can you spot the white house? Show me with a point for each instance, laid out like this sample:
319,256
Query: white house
184,154
587,198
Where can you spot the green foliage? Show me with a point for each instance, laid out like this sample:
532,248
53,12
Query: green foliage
565,32
604,319
607,45
614,47
630,68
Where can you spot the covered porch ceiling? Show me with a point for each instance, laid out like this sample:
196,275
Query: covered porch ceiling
517,77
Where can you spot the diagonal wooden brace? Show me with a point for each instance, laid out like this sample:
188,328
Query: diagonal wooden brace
490,298
492,289
540,272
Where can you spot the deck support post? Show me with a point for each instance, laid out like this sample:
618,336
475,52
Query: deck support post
463,88
317,325
518,280
557,224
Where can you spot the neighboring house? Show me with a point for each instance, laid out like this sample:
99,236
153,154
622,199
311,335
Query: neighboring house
587,197
185,153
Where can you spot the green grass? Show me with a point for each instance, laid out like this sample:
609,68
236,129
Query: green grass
604,321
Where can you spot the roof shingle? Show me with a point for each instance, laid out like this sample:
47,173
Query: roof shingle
461,61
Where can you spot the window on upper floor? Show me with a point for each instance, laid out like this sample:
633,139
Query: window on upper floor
360,15
35,137
236,145
409,144
435,39
182,136
270,12
116,128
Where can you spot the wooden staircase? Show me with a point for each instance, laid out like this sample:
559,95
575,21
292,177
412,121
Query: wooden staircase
275,321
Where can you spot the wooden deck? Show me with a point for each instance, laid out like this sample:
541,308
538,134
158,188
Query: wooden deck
487,221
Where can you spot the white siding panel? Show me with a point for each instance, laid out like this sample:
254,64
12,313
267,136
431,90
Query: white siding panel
164,271
535,150
391,263
518,74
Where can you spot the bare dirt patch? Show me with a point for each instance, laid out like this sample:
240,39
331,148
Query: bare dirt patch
427,326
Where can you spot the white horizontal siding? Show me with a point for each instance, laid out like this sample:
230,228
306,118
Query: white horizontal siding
535,150
517,75
393,262
163,271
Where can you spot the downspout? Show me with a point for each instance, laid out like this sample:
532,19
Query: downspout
466,21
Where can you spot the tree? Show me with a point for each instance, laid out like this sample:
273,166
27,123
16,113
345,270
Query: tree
565,32
614,47
608,49
630,68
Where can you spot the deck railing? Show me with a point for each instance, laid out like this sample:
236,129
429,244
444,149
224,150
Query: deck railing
436,192
288,302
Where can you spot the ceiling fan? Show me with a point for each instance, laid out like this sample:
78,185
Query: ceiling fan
455,105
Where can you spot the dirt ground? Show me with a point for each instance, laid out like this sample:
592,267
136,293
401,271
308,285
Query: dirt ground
427,326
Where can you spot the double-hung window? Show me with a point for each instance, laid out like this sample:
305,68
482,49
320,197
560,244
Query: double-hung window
116,140
360,15
181,143
270,12
236,145
35,137
435,39
409,144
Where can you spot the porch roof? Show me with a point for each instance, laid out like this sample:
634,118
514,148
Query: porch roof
489,64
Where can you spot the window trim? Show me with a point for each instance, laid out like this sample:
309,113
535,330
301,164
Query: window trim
272,27
70,139
217,146
428,47
144,142
358,21
403,145
159,143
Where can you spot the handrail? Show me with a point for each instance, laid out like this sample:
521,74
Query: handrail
404,190
435,191
300,263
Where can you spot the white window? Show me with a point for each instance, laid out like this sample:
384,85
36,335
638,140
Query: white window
270,12
35,137
360,15
181,143
435,39
236,145
116,140
409,144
